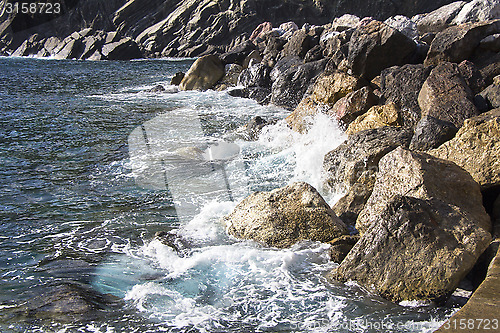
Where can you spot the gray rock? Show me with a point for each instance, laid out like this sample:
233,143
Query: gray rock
418,249
291,78
457,43
446,96
354,165
298,45
404,25
401,85
238,54
425,177
376,46
491,96
431,133
285,216
478,11
439,19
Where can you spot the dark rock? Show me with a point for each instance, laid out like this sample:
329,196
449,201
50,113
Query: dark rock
291,78
446,96
273,47
124,49
30,46
427,38
69,49
491,96
418,250
177,79
354,165
341,246
431,133
238,54
173,240
69,302
298,45
401,85
203,73
376,46
472,76
259,94
157,89
316,53
476,148
491,43
457,43
285,216
252,129
255,76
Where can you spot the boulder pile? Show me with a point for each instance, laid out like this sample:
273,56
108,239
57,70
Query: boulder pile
418,98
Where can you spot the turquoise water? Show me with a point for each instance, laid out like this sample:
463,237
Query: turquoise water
75,208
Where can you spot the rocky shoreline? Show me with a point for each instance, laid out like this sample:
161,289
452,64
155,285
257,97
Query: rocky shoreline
419,99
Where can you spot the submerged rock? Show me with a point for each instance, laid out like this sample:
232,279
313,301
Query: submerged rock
285,216
476,148
69,302
203,73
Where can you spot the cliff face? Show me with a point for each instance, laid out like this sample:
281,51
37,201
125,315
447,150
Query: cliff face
189,28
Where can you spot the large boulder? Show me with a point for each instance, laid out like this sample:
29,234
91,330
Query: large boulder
401,85
376,46
422,176
439,19
417,250
285,216
478,11
203,74
352,167
476,148
377,116
446,96
457,43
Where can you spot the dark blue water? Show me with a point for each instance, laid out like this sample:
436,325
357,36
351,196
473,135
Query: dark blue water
72,213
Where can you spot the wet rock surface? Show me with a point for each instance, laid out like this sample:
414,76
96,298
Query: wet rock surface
285,216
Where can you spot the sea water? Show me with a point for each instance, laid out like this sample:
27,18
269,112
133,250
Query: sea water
93,166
